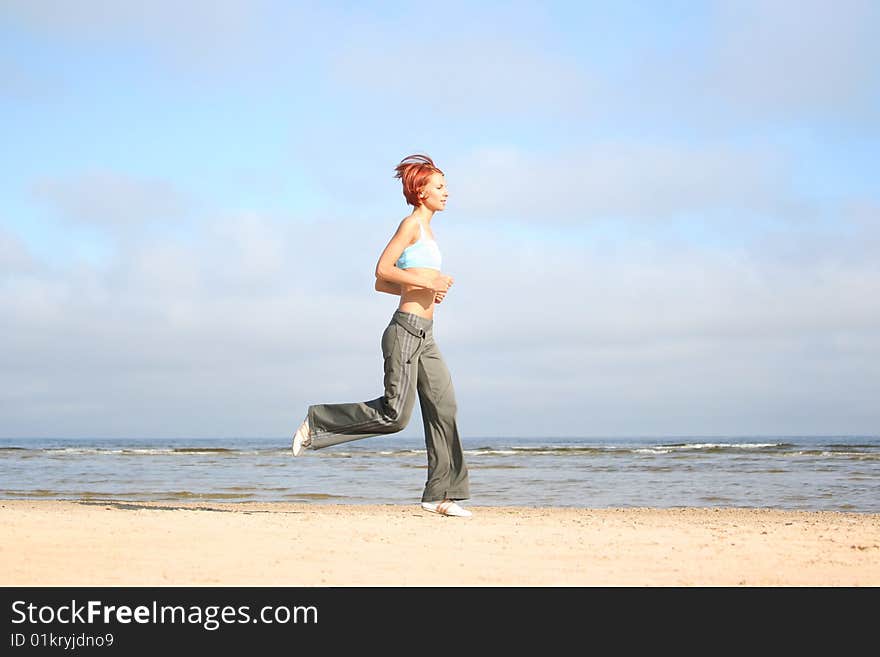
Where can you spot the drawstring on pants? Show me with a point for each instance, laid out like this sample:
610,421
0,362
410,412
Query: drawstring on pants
418,332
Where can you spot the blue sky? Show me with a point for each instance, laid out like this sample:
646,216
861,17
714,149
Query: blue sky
664,218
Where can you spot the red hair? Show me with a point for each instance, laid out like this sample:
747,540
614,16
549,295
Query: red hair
414,171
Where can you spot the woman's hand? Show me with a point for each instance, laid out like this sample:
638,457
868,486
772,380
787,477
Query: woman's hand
441,286
441,283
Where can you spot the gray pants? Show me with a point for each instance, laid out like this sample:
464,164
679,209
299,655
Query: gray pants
413,364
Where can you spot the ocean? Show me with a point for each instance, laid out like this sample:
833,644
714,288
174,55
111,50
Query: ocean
814,473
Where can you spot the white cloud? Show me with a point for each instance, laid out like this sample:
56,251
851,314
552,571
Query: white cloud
191,28
801,57
745,68
542,338
665,340
233,325
210,40
112,200
20,82
470,74
640,180
14,254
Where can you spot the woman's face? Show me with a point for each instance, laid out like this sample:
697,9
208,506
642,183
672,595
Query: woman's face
434,194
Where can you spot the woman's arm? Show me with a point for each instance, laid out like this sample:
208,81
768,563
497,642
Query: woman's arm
387,271
384,286
393,288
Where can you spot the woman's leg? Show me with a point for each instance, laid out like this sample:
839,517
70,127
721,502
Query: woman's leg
331,424
447,470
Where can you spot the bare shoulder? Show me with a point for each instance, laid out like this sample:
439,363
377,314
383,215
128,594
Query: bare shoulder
409,222
408,229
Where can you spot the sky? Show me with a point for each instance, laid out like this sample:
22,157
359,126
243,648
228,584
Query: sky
663,217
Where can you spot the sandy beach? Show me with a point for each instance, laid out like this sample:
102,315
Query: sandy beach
92,543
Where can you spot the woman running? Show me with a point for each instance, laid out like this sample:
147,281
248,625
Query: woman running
410,267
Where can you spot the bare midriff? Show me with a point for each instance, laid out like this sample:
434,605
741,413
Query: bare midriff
418,300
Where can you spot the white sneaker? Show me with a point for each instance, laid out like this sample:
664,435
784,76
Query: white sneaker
446,508
301,439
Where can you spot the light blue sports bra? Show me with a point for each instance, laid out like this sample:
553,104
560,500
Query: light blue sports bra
424,253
